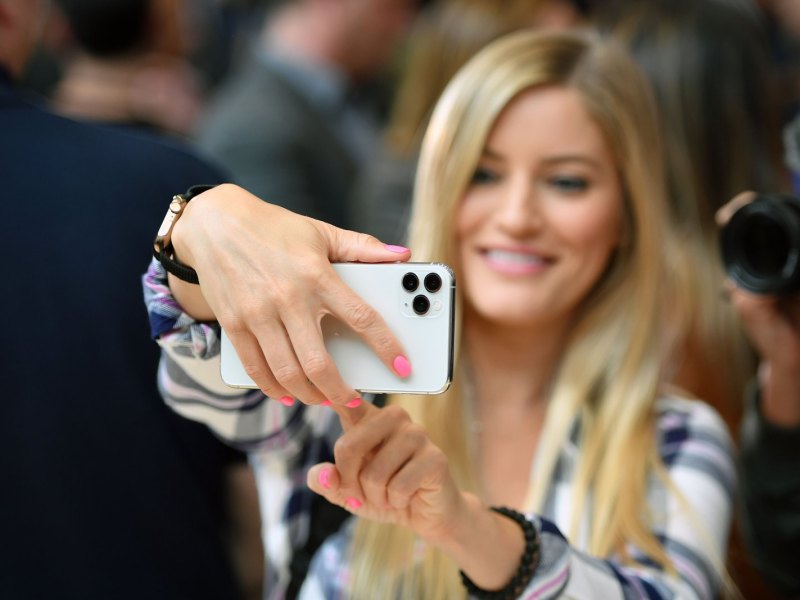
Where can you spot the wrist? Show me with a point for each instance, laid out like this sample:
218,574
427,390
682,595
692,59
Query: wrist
486,546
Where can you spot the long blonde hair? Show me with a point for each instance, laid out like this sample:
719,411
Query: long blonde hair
609,375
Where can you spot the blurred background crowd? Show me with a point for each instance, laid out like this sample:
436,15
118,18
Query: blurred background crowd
320,105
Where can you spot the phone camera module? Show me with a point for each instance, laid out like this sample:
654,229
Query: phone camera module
421,304
433,283
410,282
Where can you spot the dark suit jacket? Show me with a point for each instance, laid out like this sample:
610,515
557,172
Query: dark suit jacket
278,146
105,493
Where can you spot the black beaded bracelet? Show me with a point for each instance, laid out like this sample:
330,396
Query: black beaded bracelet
527,566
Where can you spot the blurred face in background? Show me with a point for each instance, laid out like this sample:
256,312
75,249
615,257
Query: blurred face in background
373,31
22,23
557,14
543,214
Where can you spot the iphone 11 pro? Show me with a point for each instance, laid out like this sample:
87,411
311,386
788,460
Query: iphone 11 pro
417,302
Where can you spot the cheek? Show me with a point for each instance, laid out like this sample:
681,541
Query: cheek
597,231
469,216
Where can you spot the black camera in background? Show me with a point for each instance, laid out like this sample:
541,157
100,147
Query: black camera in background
760,245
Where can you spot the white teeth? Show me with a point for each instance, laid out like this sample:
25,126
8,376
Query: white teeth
516,258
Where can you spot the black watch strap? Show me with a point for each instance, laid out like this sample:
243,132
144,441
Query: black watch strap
162,245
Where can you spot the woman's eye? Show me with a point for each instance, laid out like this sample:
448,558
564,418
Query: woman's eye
483,175
569,184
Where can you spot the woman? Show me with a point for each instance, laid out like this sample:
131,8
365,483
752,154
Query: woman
539,183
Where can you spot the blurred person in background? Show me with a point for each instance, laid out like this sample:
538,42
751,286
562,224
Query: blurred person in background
105,494
289,124
129,65
770,434
709,65
446,34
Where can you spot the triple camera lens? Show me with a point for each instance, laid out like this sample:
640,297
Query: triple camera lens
432,282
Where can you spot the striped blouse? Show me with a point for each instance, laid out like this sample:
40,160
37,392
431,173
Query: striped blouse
283,442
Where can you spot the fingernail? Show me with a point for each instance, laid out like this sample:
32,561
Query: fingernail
398,249
325,478
401,366
286,400
326,403
354,403
353,503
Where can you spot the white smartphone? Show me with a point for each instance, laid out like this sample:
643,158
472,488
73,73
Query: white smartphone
417,302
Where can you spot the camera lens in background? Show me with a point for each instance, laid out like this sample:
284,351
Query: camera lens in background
410,282
421,304
433,283
761,245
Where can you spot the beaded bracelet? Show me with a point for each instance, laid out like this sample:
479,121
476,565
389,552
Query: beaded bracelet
528,564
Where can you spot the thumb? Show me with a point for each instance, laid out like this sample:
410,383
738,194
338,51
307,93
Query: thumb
350,246
323,479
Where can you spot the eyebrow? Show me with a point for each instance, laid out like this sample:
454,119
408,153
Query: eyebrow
563,158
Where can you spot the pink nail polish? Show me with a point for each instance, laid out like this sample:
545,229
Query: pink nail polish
401,366
326,403
354,403
325,478
353,503
286,400
398,249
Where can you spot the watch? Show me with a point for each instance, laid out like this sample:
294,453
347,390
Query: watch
162,245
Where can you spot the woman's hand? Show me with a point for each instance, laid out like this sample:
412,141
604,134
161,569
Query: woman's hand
772,323
265,275
388,470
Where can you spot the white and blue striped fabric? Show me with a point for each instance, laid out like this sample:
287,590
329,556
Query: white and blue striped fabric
284,442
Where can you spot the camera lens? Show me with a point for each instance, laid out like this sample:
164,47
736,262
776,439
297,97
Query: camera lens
421,304
765,246
761,245
433,282
410,282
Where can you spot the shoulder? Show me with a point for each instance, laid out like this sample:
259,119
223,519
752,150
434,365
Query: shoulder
37,134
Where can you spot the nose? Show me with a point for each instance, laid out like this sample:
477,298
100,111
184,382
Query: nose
519,212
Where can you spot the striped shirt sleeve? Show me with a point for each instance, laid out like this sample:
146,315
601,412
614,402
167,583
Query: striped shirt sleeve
190,382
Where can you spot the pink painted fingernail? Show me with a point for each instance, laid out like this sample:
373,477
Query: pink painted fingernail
326,403
286,400
401,366
398,249
325,478
353,503
354,403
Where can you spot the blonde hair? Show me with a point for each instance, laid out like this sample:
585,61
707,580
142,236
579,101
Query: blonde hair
612,392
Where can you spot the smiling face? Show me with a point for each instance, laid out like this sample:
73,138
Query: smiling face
542,215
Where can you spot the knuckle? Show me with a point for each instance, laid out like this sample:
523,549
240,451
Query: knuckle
415,436
287,373
396,413
438,463
343,449
371,479
339,397
316,364
400,489
361,317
